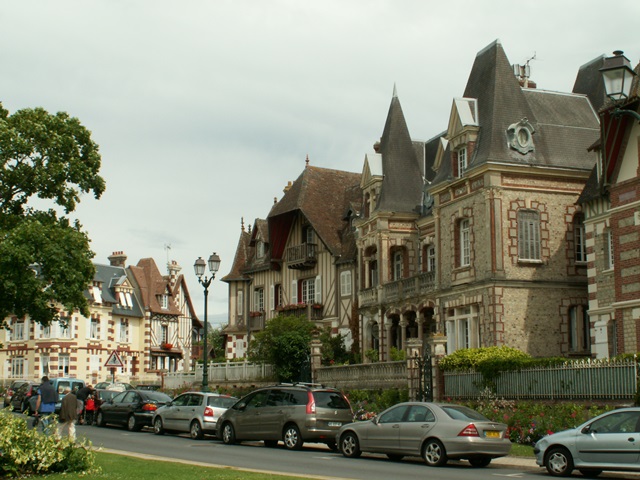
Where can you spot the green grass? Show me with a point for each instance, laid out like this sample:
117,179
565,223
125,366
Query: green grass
518,450
120,467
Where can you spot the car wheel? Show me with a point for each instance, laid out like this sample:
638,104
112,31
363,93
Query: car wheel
158,429
132,424
559,462
100,419
292,438
350,446
271,443
590,472
196,430
434,453
228,434
480,461
394,457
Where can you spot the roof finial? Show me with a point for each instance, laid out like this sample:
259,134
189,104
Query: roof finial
395,90
242,223
306,161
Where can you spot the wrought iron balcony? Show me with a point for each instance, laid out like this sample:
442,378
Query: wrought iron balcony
303,256
397,290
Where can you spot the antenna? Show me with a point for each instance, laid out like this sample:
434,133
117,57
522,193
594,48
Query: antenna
167,247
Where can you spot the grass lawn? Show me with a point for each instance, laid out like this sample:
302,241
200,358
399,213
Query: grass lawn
518,450
120,467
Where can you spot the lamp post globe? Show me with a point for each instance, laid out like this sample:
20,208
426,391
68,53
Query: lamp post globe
199,267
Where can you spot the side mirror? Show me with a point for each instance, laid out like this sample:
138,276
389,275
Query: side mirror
241,406
586,429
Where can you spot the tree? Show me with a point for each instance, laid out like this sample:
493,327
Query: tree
45,260
284,343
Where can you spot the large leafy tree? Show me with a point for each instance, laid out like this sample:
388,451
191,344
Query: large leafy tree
285,344
46,163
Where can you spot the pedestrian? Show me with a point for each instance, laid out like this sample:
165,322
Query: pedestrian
89,410
69,414
46,403
82,395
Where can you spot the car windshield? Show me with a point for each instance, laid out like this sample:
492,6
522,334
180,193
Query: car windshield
222,402
156,396
459,412
328,399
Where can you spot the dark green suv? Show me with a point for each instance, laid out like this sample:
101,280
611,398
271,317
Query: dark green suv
292,413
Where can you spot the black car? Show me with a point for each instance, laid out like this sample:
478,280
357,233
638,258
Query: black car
132,408
21,397
11,389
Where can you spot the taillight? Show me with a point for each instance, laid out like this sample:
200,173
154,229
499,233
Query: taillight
311,403
469,431
149,407
208,412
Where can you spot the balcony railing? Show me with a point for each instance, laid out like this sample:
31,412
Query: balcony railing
302,256
403,289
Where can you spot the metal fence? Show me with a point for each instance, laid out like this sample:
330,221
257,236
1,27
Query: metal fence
572,380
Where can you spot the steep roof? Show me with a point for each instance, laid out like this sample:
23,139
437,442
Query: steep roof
589,82
243,253
152,284
322,195
110,277
401,189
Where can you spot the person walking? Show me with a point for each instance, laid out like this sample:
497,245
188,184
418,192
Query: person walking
46,403
82,395
89,410
68,414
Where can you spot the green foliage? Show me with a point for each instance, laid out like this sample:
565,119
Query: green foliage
284,343
372,355
397,355
333,350
366,404
53,158
216,343
28,451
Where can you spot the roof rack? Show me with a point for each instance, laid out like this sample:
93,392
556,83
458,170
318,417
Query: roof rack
300,384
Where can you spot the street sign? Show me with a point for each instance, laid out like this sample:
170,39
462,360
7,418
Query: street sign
114,360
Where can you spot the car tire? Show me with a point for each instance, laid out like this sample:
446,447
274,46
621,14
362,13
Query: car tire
350,445
292,438
333,446
195,430
228,434
132,424
158,428
270,443
100,420
479,462
434,453
590,472
558,462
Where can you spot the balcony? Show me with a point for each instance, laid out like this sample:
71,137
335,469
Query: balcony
399,290
303,256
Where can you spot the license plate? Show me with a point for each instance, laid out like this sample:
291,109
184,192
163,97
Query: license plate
335,424
492,433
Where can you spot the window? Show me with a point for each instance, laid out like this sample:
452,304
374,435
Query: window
63,364
164,301
94,331
529,235
307,234
240,302
17,367
44,364
308,290
373,273
65,327
260,249
608,260
579,329
461,155
579,239
94,363
345,283
397,265
45,332
164,333
463,330
464,237
124,331
431,258
18,330
258,299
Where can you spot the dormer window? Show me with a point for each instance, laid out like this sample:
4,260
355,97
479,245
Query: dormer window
461,157
261,249
164,301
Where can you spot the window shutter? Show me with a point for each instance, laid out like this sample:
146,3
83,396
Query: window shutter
272,297
118,326
318,290
88,327
294,292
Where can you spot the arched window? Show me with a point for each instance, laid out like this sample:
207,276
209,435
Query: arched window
398,259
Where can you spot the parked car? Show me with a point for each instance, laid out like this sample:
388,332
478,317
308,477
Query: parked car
148,387
293,413
436,432
101,395
21,397
132,408
610,441
117,386
8,393
193,412
62,383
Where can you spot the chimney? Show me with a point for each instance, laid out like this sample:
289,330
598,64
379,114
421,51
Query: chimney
174,269
117,259
522,73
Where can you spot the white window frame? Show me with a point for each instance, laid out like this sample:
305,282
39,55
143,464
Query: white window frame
164,301
19,330
461,158
307,290
17,367
609,257
529,245
65,332
463,328
398,259
579,238
258,299
94,329
64,363
345,283
431,258
124,330
465,242
45,360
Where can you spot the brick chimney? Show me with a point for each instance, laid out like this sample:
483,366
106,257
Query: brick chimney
117,259
174,269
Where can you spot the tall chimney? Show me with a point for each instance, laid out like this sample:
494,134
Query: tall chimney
117,259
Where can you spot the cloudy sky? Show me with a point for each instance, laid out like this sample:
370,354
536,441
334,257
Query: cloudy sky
204,109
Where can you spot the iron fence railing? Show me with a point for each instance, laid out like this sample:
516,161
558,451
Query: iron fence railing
572,380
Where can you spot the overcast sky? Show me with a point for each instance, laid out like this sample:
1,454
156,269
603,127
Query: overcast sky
204,109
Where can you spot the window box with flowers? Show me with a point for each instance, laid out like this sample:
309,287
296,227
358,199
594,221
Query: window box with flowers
317,306
166,346
255,314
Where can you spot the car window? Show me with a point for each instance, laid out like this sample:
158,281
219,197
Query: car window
277,398
62,385
420,413
155,396
76,386
222,402
118,398
619,422
258,400
181,401
195,400
393,415
130,397
330,399
459,412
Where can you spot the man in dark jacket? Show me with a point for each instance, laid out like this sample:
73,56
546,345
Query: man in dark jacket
46,403
68,414
82,395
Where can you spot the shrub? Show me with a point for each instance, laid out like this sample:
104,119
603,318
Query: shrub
28,451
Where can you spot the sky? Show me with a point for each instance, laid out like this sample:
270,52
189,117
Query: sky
205,109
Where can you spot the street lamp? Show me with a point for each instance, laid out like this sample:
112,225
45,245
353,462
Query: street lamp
199,267
618,79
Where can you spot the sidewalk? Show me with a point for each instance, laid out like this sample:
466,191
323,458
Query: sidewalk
510,461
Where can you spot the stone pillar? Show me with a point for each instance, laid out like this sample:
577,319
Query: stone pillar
414,363
420,321
388,323
316,356
403,333
437,347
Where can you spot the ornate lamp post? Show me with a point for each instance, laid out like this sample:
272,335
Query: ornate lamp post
618,78
199,267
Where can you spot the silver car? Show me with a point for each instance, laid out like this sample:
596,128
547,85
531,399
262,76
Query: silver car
610,441
437,432
193,412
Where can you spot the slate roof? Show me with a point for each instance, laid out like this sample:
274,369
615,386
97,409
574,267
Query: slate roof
241,258
151,284
589,82
110,277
